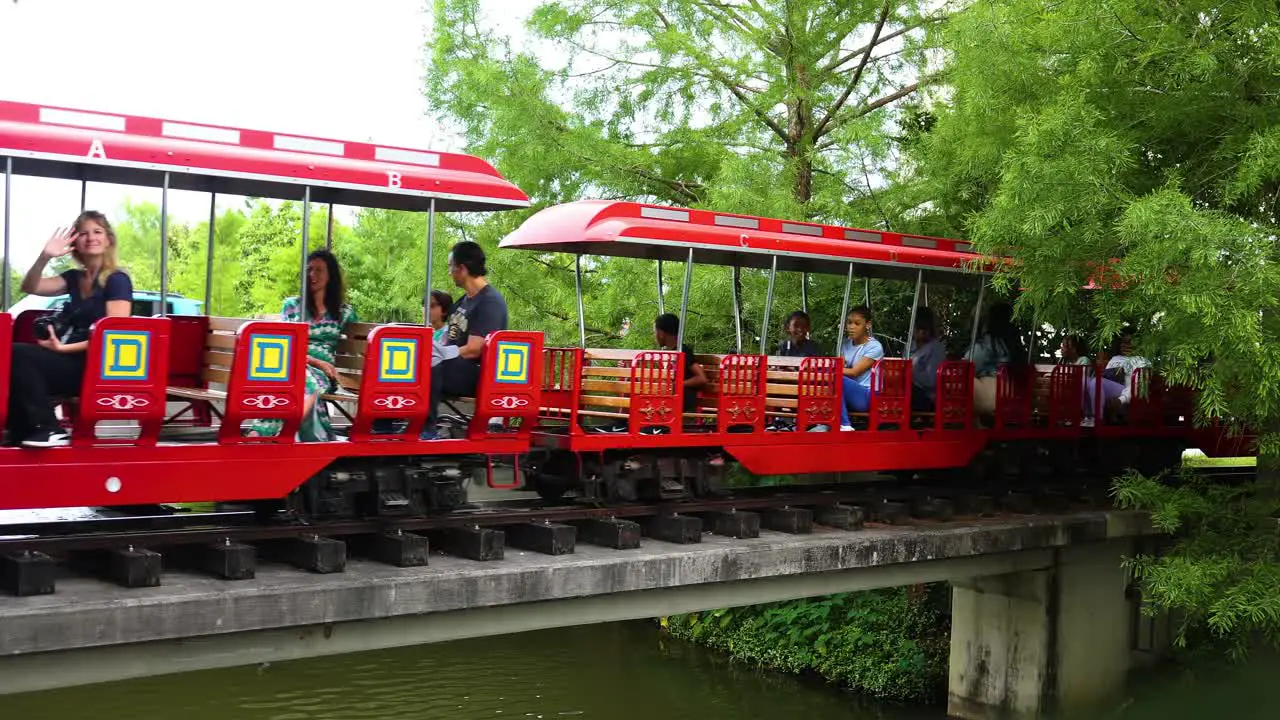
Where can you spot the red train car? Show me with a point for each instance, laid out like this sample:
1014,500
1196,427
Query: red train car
611,416
610,424
164,400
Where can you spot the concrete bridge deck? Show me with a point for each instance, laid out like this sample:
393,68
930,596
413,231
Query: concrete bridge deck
92,631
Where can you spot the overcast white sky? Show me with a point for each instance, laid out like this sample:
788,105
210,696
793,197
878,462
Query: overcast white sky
343,69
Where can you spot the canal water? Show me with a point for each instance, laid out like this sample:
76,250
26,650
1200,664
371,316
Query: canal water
622,671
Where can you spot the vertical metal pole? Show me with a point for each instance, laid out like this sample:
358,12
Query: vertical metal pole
977,315
431,242
684,299
661,305
582,317
164,246
737,309
844,309
911,326
84,194
306,250
804,292
1035,337
8,182
866,291
328,232
768,302
208,255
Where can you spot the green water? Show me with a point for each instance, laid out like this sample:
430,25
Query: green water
625,671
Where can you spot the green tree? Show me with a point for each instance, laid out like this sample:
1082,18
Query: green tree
189,278
15,285
1145,137
767,108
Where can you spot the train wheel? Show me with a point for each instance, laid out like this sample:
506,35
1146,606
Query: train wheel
550,487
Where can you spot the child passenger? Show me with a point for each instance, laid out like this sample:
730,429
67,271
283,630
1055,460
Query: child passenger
1000,344
927,354
798,343
1117,377
860,352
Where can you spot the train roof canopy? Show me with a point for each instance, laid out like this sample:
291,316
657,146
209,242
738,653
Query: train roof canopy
106,147
626,229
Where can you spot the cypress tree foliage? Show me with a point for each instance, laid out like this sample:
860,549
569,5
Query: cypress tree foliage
1136,143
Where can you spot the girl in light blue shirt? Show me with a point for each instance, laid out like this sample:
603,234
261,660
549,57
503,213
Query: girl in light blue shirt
860,352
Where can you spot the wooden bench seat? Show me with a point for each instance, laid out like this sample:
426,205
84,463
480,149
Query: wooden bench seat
610,386
204,351
215,361
787,384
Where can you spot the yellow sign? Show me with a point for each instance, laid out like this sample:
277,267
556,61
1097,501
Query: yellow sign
513,363
125,355
399,361
269,357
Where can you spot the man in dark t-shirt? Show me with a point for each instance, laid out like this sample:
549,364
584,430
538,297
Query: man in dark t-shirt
480,311
666,333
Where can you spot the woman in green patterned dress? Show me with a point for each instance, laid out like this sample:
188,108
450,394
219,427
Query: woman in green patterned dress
328,315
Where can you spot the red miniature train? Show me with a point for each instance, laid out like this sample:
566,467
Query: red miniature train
160,414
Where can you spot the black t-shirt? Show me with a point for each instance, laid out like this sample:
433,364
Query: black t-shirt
690,394
83,312
479,315
804,348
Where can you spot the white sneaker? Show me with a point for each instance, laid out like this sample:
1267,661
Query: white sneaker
846,428
1086,422
47,439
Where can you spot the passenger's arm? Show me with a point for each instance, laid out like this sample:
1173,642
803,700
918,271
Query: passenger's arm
34,283
473,349
864,364
698,378
118,293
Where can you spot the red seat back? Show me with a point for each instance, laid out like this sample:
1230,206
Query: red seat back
6,346
954,407
657,378
125,374
268,380
395,382
741,394
510,385
818,395
1066,395
891,394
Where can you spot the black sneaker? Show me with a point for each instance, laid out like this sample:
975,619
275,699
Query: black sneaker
47,439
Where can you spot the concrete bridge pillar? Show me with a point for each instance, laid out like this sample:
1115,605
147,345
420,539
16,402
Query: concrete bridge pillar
1042,640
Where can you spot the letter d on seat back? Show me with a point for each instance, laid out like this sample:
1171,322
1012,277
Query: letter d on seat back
268,380
125,374
510,386
396,381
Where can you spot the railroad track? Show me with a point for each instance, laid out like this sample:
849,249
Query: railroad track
132,550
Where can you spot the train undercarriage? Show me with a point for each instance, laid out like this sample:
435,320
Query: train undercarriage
411,486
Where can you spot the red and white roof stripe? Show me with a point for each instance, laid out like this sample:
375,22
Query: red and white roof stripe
66,142
598,227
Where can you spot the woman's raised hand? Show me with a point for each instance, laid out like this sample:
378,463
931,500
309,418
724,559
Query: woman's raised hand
61,242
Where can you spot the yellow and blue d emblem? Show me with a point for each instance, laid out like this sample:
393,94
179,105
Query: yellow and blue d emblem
398,361
513,363
269,357
125,355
